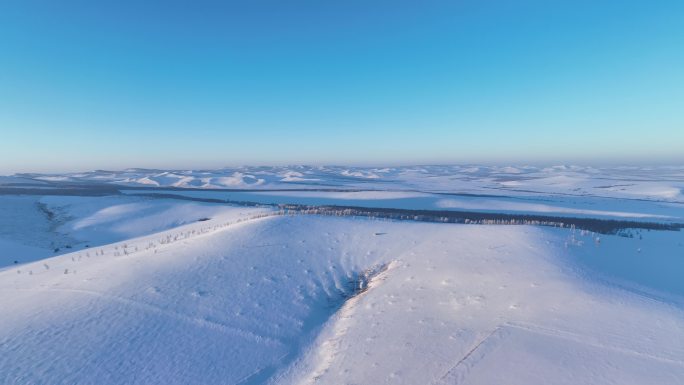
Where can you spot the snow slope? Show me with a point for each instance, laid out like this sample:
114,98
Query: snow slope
474,306
35,227
247,299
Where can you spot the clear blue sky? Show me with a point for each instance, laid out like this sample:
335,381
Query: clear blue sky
115,84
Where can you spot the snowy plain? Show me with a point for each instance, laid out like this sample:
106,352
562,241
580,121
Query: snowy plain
654,183
136,285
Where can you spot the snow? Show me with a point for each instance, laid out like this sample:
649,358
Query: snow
346,195
505,356
26,234
105,220
648,262
237,179
7,179
554,205
15,251
663,183
453,290
54,178
507,206
267,300
163,290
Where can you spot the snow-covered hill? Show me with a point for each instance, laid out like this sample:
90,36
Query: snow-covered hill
247,299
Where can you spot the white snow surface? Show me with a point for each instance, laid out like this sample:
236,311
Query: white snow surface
661,183
507,206
132,289
247,299
79,222
650,193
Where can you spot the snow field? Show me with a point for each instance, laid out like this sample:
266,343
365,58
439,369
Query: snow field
273,300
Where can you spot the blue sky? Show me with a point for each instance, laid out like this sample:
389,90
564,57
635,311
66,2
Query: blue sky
88,84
